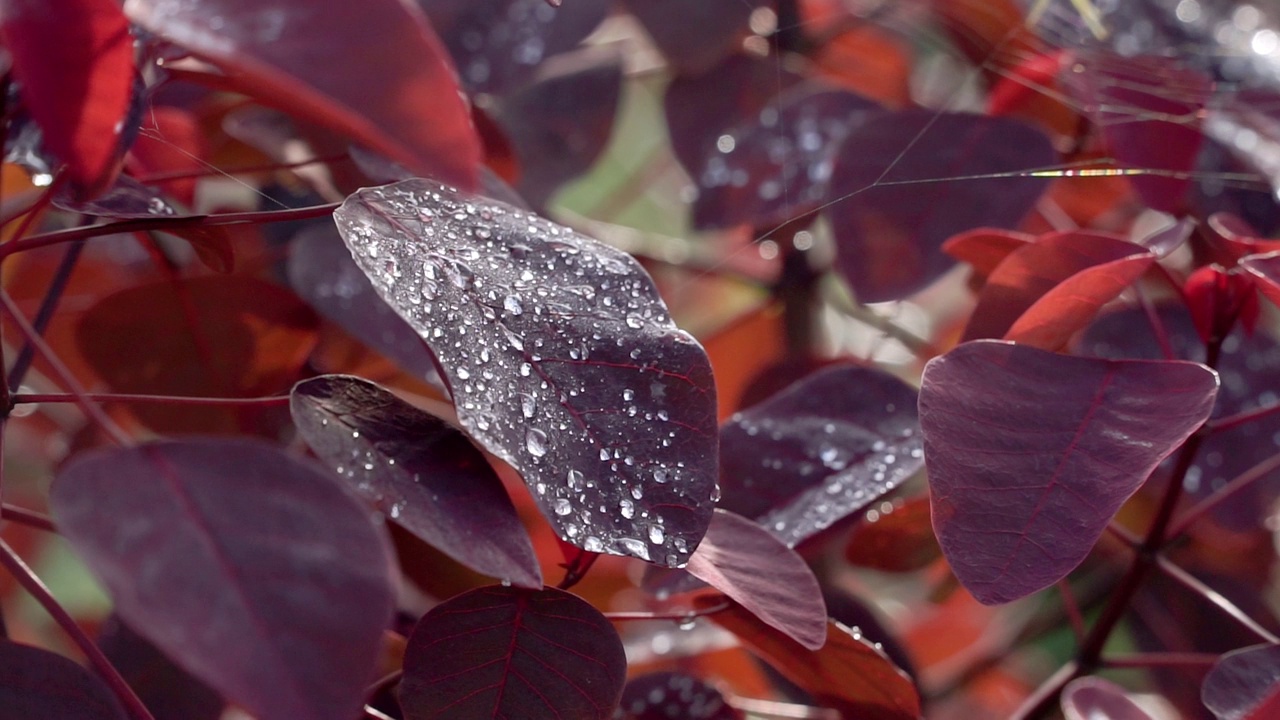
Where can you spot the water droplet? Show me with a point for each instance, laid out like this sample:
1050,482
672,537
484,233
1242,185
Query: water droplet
656,534
512,305
661,475
562,506
592,544
627,508
528,405
628,395
535,441
576,480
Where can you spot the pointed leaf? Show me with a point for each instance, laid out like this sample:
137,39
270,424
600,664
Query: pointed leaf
666,695
36,683
1091,698
500,652
849,673
1244,684
74,60
394,89
419,471
561,359
742,560
820,451
1031,453
236,560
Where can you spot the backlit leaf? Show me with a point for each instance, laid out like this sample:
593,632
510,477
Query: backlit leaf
36,683
419,471
1091,698
985,248
501,652
561,359
1244,684
237,560
1031,453
666,695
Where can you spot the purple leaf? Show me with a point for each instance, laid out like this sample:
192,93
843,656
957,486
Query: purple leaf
419,471
500,652
694,35
666,695
1244,684
36,683
561,359
235,560
1091,698
168,691
777,164
1031,453
903,183
322,272
820,451
742,560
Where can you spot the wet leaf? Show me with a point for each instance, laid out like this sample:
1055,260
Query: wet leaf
820,451
561,359
848,673
666,695
1244,684
1092,698
196,542
742,560
1031,453
36,683
905,182
694,36
168,691
394,90
419,471
499,652
74,60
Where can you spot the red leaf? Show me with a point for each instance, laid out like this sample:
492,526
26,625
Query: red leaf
500,652
236,560
894,538
985,248
742,560
1217,298
1031,453
36,683
373,70
1045,291
1243,686
1091,698
419,471
170,141
74,59
849,673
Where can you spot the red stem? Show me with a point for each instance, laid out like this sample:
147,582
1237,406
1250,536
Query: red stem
30,518
1238,483
1241,418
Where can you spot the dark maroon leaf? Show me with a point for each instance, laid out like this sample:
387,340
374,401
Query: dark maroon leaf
36,683
702,107
694,35
1031,453
322,272
1244,684
561,359
418,470
851,612
560,124
500,652
905,182
1149,111
1091,698
168,691
498,44
235,560
742,560
820,451
776,165
667,695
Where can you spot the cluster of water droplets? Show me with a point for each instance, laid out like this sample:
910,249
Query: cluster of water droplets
560,356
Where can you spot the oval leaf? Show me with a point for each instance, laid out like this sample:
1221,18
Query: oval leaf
197,542
1091,698
561,359
820,451
742,560
1030,454
419,471
500,652
394,90
36,683
849,673
667,695
1244,684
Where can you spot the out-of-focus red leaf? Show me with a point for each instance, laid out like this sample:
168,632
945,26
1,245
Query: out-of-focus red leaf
868,60
168,691
170,141
742,560
206,336
1092,698
741,350
1046,290
1230,237
36,683
500,652
985,248
849,673
1030,454
1030,91
1243,684
74,60
896,538
393,90
694,36
667,695
1218,298
197,542
419,471
993,34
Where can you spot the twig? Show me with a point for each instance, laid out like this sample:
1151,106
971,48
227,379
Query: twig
1240,482
30,518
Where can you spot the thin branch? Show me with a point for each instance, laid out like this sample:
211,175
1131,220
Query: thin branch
1240,482
30,518
1231,422
48,305
1164,659
1192,583
1072,609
